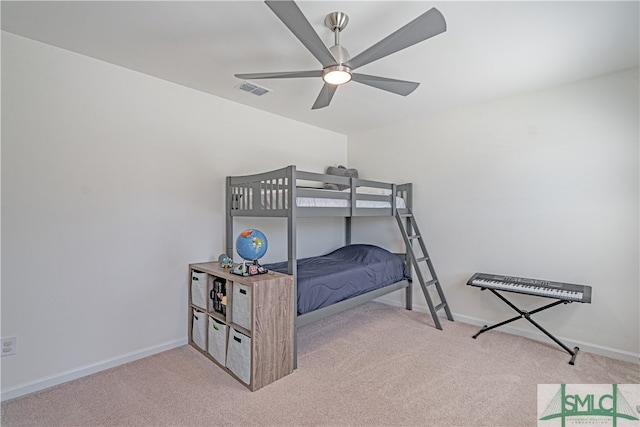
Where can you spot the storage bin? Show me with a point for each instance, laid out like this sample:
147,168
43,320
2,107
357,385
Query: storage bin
199,289
199,329
239,355
241,306
217,345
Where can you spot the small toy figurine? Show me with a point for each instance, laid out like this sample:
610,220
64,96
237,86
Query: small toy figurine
225,261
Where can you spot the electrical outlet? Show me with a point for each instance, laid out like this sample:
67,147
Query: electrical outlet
8,346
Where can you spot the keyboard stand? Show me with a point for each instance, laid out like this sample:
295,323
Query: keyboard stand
527,315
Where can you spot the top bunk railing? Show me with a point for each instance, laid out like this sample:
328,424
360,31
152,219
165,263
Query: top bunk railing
277,193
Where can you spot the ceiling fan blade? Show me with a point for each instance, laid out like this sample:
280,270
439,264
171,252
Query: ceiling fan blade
429,24
291,16
324,98
280,75
400,87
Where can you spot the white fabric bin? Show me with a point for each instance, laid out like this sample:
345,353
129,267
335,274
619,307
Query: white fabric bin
199,329
217,346
241,306
199,289
239,355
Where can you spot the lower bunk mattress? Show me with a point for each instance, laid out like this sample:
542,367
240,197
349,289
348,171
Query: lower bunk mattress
344,273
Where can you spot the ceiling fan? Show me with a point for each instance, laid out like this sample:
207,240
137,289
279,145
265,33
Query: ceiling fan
337,65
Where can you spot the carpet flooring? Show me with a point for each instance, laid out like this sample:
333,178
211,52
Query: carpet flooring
374,365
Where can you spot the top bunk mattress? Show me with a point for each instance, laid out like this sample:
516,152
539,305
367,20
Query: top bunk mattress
320,202
344,273
266,201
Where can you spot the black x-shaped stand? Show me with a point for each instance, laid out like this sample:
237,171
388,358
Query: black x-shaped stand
527,315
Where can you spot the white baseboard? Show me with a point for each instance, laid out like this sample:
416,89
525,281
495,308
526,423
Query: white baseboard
46,382
613,353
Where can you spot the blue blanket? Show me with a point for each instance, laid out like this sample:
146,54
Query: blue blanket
344,273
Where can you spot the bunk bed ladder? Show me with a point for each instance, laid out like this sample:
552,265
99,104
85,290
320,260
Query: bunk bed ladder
410,232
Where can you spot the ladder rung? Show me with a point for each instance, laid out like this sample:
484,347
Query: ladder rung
440,306
415,236
431,282
425,258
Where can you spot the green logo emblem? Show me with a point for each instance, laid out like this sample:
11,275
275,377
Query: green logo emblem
609,405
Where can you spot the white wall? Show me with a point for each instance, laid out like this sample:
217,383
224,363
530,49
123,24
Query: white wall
112,182
543,185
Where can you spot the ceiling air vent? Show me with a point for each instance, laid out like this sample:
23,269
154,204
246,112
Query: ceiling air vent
253,88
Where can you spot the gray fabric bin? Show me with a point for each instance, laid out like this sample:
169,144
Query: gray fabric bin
199,330
239,355
241,306
217,345
199,289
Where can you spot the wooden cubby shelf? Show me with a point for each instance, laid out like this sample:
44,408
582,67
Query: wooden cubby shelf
245,324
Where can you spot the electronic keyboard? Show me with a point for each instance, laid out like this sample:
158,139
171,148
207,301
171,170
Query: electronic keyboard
563,293
542,288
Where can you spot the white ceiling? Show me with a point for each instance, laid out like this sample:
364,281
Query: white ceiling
490,49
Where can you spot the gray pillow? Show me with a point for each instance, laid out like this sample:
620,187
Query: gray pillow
340,171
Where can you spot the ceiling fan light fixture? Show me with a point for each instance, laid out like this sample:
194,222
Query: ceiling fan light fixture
336,75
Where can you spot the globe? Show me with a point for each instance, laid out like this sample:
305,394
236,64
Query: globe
251,244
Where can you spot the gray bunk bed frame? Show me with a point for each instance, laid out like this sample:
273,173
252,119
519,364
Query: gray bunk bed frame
273,194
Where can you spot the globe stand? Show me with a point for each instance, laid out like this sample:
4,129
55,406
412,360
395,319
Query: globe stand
251,268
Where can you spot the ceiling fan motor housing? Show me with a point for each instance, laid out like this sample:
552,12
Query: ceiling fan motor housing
340,53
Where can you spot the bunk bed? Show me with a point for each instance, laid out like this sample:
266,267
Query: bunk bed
291,194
